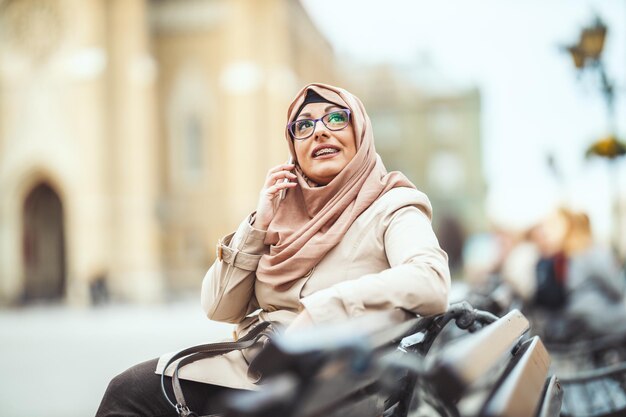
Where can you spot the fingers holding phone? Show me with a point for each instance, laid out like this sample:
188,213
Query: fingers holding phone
278,180
283,192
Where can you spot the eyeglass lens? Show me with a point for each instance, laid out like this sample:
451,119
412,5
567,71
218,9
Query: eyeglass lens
304,128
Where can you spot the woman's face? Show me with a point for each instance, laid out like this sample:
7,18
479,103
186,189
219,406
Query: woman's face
325,153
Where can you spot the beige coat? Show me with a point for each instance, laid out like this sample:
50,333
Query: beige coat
389,258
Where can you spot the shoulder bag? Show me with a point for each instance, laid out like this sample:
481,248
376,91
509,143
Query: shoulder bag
196,353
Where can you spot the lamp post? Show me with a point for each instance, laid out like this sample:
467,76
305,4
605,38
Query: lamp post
587,55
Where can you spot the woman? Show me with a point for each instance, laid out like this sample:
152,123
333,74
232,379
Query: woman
594,282
334,236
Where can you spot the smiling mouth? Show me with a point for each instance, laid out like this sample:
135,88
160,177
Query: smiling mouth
325,152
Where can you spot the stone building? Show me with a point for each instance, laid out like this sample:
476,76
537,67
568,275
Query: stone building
433,136
135,133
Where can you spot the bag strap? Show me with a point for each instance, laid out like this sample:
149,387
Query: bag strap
196,353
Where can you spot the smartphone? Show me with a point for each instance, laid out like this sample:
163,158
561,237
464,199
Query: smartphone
283,192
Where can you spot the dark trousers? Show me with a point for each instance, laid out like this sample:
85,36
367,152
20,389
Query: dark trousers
137,392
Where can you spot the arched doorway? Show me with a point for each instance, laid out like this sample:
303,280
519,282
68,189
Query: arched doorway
43,245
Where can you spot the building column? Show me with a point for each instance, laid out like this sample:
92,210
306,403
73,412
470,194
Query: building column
136,273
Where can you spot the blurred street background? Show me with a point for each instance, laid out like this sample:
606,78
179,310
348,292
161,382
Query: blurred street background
136,133
57,360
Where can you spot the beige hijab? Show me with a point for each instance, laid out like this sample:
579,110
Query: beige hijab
313,219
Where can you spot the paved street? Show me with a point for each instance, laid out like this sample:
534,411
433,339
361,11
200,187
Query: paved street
57,360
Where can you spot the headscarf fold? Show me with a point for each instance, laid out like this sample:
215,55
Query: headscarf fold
313,219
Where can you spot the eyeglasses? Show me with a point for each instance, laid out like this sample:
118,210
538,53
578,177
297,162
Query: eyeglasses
303,128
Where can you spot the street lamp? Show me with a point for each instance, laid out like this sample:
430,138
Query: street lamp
587,54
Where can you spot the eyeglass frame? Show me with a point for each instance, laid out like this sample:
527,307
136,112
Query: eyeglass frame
315,124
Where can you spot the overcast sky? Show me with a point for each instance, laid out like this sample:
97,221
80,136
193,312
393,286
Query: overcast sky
533,100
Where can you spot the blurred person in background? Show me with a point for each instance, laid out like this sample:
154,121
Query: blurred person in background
571,284
519,266
552,266
500,270
334,236
594,280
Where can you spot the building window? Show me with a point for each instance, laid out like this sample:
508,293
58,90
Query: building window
444,124
446,172
188,111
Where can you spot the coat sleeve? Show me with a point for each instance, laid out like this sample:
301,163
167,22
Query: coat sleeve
228,286
418,278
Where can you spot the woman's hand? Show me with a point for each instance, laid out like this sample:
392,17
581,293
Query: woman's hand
274,183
